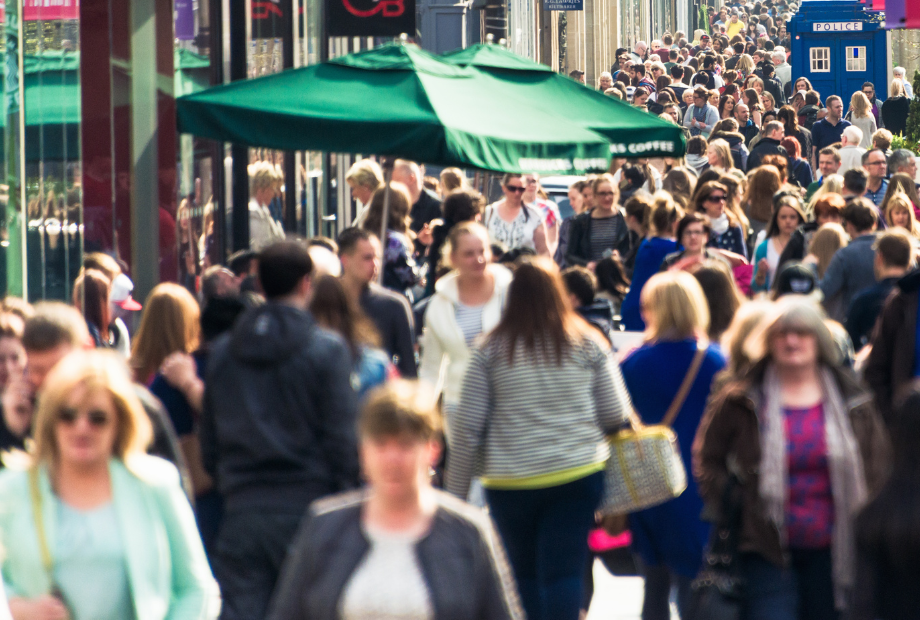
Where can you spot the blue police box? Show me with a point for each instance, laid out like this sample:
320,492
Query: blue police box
838,46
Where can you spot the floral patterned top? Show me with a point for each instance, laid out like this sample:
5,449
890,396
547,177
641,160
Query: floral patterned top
400,271
515,234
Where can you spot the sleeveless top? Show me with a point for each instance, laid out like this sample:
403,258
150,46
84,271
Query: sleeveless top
517,233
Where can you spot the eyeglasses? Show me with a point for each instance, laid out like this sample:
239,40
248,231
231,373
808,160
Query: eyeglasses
715,198
876,163
96,417
514,188
603,193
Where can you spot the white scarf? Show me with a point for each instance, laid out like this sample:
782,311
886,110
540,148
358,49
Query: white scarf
848,482
720,224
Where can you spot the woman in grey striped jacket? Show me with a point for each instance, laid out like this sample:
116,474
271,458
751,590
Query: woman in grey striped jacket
538,398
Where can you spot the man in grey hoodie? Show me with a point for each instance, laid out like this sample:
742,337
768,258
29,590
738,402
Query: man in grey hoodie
278,428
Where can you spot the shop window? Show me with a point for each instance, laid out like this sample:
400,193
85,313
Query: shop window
821,59
856,58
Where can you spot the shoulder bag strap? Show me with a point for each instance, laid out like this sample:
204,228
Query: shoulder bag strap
689,378
36,494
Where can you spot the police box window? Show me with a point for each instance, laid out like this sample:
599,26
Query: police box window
821,59
856,58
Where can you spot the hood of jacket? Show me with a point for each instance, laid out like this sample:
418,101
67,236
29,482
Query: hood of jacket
269,334
447,285
697,162
808,109
733,138
910,283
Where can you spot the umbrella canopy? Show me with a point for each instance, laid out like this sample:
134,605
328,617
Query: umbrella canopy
396,100
632,132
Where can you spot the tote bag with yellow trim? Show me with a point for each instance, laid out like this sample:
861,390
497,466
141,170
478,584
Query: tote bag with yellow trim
645,468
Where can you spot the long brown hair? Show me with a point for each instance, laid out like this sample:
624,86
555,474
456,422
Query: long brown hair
763,182
91,296
539,315
400,205
170,323
334,310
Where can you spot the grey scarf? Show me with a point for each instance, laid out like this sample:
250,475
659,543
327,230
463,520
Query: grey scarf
848,483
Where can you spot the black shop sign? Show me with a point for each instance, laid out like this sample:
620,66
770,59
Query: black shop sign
370,18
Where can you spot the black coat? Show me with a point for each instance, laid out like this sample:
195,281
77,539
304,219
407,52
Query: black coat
279,426
766,146
894,114
461,561
579,250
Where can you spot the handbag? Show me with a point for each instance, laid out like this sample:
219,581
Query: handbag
645,468
44,551
717,592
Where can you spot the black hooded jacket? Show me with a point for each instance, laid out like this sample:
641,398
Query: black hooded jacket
279,423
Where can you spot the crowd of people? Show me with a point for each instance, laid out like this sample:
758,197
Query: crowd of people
416,426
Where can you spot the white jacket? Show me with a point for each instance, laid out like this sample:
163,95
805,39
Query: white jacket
444,351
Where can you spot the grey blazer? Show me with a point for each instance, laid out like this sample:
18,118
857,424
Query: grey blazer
461,558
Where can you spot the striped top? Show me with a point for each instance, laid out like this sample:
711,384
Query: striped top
532,423
603,236
469,320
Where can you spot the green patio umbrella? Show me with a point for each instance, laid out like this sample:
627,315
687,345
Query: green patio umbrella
632,132
397,100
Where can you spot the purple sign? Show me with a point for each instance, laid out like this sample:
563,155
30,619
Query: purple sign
185,20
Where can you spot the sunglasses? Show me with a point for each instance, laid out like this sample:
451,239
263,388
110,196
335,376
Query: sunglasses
96,417
715,198
514,188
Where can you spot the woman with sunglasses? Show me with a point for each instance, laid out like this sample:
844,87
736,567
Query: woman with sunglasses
601,231
115,536
512,223
726,232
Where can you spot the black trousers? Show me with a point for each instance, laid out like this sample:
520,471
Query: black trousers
250,551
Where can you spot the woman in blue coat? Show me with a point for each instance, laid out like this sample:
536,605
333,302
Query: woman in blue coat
669,538
662,222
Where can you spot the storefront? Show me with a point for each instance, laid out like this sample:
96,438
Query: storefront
91,157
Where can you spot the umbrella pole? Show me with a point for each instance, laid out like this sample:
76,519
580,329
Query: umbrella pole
385,216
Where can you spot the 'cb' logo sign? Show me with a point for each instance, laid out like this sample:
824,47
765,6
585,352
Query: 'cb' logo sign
370,18
386,8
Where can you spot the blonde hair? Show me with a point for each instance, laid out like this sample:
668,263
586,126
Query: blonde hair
900,201
724,152
400,408
94,370
365,173
745,64
262,175
825,243
897,88
170,323
461,230
860,104
832,184
746,320
675,307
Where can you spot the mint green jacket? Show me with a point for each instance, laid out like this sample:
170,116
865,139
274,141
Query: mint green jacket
167,569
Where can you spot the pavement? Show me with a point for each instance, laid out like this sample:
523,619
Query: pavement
617,598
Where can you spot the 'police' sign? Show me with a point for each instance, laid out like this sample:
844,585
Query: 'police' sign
837,26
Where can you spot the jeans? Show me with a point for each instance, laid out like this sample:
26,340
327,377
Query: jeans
804,590
545,532
250,550
657,602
